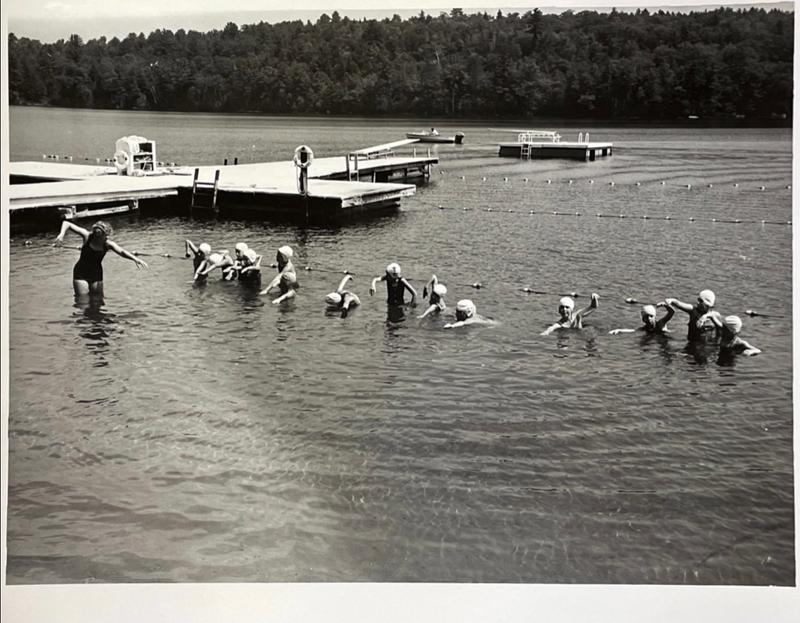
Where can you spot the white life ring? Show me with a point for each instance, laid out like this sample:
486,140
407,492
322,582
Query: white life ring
121,159
297,159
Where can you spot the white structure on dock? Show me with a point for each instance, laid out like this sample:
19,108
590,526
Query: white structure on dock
135,155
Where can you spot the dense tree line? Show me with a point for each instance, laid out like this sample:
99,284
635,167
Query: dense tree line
660,66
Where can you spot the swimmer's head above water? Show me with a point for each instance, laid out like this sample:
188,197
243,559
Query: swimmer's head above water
649,315
103,229
733,324
333,299
465,308
241,249
205,249
393,270
284,254
706,300
565,307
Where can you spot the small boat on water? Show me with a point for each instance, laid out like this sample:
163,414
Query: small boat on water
433,136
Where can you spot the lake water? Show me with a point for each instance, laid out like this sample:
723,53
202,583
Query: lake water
201,434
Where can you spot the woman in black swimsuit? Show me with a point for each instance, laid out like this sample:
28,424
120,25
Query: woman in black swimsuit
87,274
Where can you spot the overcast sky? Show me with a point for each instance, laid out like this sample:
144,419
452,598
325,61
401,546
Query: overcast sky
48,20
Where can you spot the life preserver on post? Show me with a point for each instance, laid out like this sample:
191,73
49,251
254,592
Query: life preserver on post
303,157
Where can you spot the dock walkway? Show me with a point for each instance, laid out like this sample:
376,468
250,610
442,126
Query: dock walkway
266,188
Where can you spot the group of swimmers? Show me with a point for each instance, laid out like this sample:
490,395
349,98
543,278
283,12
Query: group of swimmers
245,265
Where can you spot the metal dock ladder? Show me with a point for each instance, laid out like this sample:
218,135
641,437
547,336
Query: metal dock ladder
204,194
525,151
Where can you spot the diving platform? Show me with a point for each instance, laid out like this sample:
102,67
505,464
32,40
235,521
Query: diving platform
370,180
540,144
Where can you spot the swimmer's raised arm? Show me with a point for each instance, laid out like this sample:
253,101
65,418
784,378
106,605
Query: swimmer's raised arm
589,308
343,283
350,299
429,285
190,248
70,226
126,254
662,323
684,307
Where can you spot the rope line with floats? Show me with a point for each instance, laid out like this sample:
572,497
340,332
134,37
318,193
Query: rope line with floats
476,285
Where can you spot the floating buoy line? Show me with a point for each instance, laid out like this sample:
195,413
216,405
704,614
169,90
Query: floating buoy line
642,217
475,285
612,184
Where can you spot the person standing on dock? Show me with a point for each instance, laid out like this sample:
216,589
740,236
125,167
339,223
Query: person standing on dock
342,299
396,285
700,322
571,319
87,274
436,304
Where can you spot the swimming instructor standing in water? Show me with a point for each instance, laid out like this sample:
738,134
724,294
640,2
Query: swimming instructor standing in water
87,274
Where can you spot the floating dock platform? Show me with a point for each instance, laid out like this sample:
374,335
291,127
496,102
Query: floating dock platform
364,182
536,144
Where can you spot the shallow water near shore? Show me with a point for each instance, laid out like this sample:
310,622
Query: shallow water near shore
184,433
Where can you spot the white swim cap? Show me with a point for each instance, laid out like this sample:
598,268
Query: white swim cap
567,302
204,248
440,289
648,310
733,324
241,247
465,306
393,269
707,296
251,255
334,298
286,251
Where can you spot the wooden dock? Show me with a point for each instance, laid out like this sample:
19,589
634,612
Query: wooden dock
363,182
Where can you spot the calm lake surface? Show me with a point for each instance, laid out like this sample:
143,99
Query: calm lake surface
201,434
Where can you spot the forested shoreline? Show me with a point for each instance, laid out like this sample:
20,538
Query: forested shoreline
724,64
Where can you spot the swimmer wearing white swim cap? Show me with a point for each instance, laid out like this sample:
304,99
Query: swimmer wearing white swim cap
436,304
651,324
701,316
342,299
396,285
569,318
467,314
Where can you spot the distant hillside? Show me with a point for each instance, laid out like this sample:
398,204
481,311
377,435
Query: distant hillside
46,28
723,64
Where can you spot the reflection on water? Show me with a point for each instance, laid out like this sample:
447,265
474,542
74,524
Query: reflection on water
182,433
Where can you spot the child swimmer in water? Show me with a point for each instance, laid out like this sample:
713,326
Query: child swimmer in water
571,319
467,314
649,322
436,304
730,343
396,285
342,299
